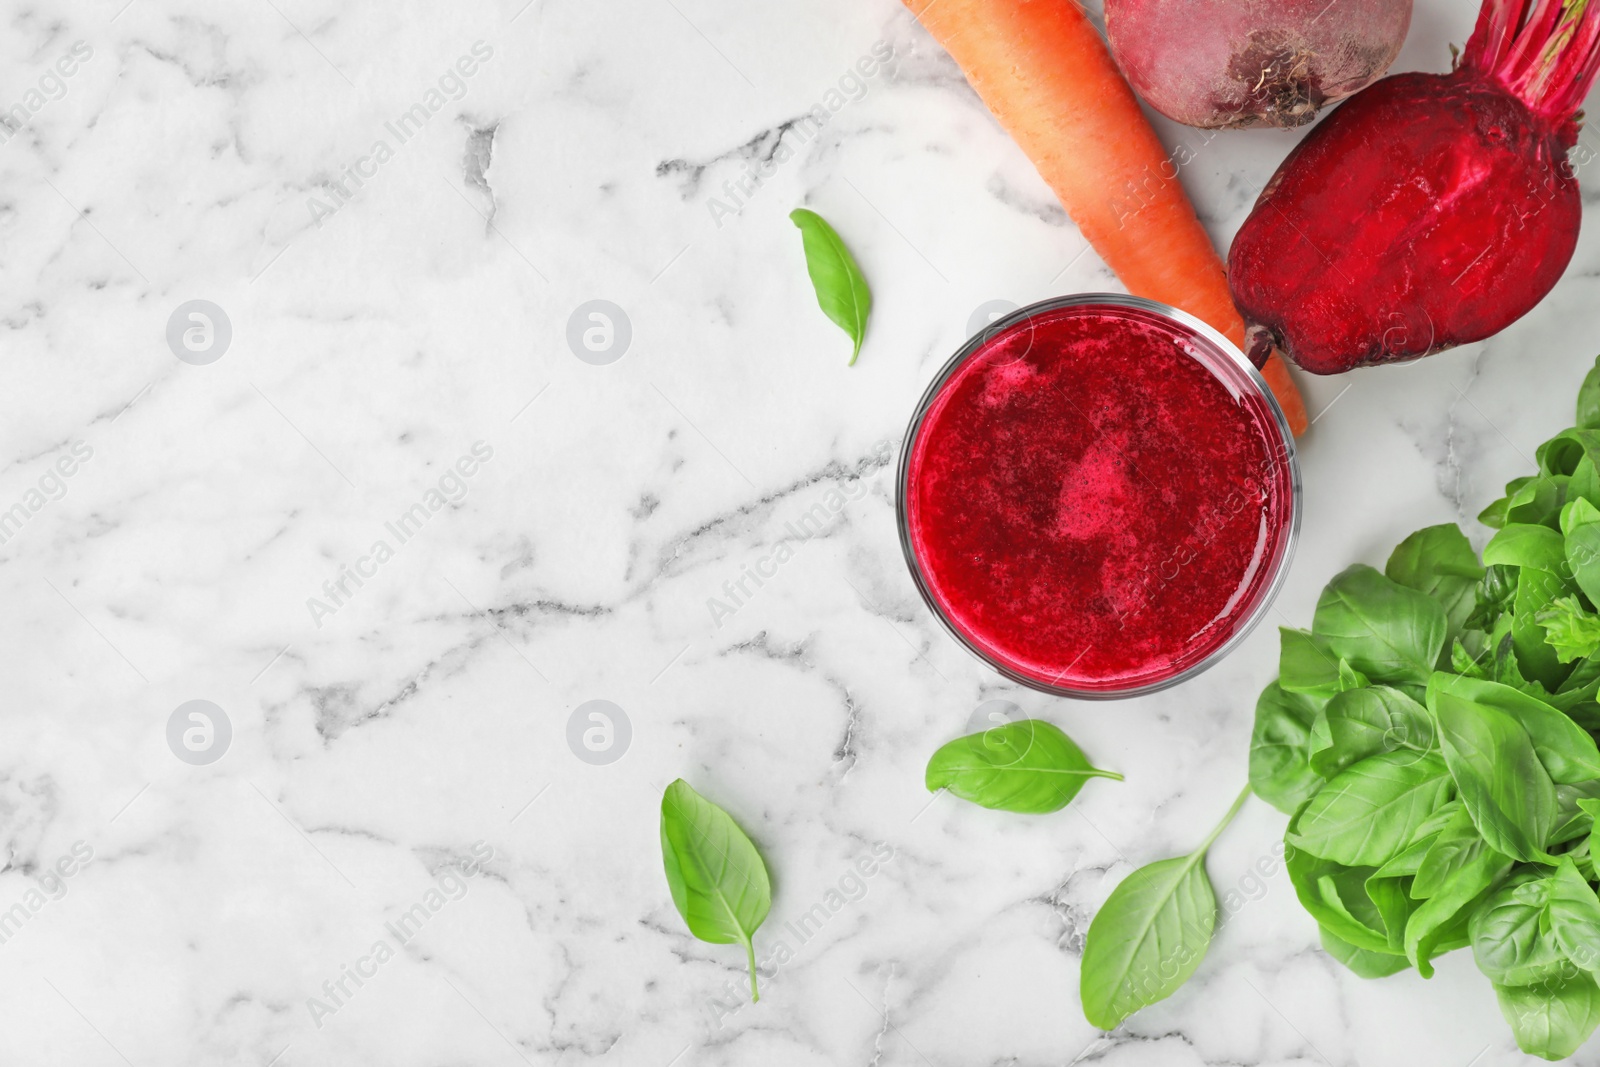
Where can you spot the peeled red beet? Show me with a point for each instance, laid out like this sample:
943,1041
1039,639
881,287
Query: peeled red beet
1431,210
1236,63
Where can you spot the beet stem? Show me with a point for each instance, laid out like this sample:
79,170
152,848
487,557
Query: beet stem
1546,53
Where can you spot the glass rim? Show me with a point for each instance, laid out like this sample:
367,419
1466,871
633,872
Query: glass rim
1226,349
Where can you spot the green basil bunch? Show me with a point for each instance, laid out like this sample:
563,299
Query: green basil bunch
1432,738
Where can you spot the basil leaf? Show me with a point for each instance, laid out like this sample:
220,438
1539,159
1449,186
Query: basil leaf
1589,400
1364,963
1525,545
1392,898
1496,594
1443,922
1576,807
1538,500
1151,934
1148,938
1564,453
1306,665
1440,562
1584,483
1457,847
1279,771
1571,632
1364,722
841,289
1536,590
1409,860
1336,896
1494,516
1554,1018
1580,525
1567,751
1510,942
1350,678
1386,631
718,881
1501,781
1371,811
1590,806
1027,766
1575,916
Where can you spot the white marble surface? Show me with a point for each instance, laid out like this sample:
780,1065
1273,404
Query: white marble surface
375,747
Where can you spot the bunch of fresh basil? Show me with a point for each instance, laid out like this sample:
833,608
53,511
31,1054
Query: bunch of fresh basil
1432,737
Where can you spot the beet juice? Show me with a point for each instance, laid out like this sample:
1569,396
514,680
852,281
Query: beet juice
1099,496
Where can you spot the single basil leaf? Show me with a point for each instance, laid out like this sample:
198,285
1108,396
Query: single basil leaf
1589,400
1388,632
1443,922
1538,501
1570,630
1501,781
1148,938
1525,545
1575,916
841,289
1364,722
1564,453
1306,665
1392,898
1510,942
1580,525
1585,482
1336,896
1371,811
1465,662
1566,750
717,878
1584,861
1573,819
1537,661
1504,666
1553,1019
1496,595
1409,860
1457,847
1582,684
1494,516
1590,806
1151,934
1028,766
1350,678
1440,562
1363,963
1279,773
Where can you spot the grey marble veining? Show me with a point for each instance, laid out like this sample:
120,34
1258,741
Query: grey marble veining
401,534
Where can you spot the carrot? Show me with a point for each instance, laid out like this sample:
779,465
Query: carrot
1041,68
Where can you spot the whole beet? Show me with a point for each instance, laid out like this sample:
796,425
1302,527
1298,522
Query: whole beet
1430,210
1234,63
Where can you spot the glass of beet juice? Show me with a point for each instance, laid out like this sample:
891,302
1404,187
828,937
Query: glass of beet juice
1099,496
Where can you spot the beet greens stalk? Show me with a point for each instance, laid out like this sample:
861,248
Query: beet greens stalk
1430,210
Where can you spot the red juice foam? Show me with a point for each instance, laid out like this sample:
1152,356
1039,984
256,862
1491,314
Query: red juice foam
1099,497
